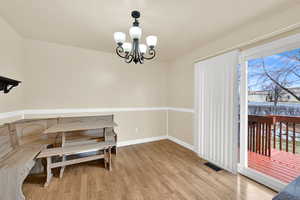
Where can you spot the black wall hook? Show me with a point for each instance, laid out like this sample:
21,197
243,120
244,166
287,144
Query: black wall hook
6,84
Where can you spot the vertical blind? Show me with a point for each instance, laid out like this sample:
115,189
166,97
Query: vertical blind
216,105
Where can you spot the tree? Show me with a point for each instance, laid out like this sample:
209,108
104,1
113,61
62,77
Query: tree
276,74
275,93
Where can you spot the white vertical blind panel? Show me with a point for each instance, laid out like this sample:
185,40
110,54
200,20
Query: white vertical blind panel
217,110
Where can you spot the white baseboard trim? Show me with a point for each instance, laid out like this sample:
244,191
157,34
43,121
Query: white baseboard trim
262,178
153,139
182,143
140,141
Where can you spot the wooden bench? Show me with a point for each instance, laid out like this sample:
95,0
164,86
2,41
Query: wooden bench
19,147
64,129
49,154
22,141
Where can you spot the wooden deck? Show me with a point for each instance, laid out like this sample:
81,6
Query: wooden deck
284,166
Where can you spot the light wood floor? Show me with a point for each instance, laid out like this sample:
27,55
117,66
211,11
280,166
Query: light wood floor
157,170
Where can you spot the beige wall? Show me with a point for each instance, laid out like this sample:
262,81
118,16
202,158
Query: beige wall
62,77
181,71
181,126
59,76
11,66
141,124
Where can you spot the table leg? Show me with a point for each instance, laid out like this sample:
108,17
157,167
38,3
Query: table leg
63,140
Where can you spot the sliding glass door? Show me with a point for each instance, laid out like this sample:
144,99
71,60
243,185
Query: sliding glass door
270,112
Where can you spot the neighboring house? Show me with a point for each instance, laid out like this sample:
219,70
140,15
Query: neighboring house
264,96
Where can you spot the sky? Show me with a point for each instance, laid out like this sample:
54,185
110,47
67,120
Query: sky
283,67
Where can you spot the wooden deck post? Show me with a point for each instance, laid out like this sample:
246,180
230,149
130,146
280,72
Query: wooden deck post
294,137
259,138
269,140
274,141
280,136
287,137
263,139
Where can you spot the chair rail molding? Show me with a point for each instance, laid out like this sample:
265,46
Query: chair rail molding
6,117
189,110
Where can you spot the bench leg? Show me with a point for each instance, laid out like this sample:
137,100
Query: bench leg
115,147
114,150
49,173
109,158
105,164
44,163
63,140
62,169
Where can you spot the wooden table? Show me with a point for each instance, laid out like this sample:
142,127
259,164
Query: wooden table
291,192
80,126
62,129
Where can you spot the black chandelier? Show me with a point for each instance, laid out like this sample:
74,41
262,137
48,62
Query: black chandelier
135,51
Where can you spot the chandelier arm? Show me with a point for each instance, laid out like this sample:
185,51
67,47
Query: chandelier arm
141,60
119,51
129,58
152,54
140,57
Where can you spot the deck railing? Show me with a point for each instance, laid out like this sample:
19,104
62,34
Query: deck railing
288,128
259,134
264,130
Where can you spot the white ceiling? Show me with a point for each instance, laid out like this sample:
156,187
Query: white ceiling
181,26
